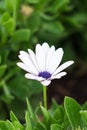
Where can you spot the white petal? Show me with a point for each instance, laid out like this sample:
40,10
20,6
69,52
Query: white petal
23,66
58,57
55,60
59,75
34,77
63,66
50,59
46,82
40,56
45,47
33,57
25,58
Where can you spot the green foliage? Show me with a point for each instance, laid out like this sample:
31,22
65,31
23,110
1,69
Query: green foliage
72,109
8,23
21,35
84,117
22,25
48,121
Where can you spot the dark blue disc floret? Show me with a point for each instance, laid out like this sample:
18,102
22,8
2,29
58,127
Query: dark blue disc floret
45,74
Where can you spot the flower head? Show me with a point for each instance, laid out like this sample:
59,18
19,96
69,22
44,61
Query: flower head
43,65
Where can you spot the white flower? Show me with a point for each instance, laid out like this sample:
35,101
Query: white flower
43,65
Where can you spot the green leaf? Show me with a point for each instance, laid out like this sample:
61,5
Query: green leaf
54,27
9,125
84,107
18,125
11,4
9,25
7,97
56,127
3,125
13,117
84,117
19,111
28,121
4,55
57,5
59,114
40,126
54,104
78,20
72,109
30,110
21,35
2,70
32,1
45,113
53,108
5,17
34,22
23,88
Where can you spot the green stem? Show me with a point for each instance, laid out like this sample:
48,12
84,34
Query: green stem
45,97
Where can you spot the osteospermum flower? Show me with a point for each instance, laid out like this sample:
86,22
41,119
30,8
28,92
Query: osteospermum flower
43,65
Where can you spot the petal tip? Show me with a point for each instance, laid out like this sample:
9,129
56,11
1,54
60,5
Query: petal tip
72,62
18,63
46,82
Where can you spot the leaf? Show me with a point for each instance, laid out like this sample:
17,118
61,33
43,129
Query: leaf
77,20
18,125
84,107
9,25
53,108
59,114
45,113
32,1
5,17
21,35
4,55
3,125
30,115
72,109
7,97
40,126
57,5
56,127
54,104
2,70
54,27
18,107
13,117
84,116
11,4
30,110
34,22
9,125
28,121
23,88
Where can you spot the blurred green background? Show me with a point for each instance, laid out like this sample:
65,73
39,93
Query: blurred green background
23,24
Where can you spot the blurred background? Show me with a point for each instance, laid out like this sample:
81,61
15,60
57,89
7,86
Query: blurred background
23,24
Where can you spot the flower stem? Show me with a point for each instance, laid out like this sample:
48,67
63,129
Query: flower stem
45,97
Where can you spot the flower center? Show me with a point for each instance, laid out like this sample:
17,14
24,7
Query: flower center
44,74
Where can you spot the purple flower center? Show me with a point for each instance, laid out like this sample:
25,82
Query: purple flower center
45,74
